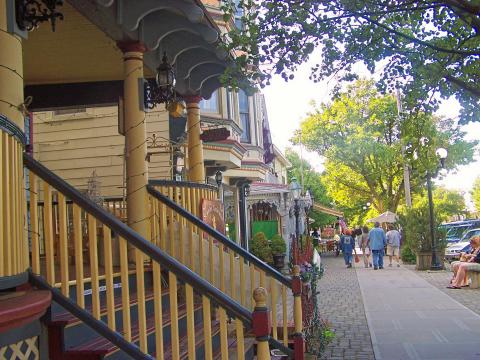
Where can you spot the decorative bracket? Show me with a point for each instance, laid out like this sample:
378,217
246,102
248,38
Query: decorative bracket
30,13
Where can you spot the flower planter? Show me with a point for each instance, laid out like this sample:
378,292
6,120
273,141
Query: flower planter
279,261
424,260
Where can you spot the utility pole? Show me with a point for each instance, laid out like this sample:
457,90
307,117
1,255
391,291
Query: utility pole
301,160
406,169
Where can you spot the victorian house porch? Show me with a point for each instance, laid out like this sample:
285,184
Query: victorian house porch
138,272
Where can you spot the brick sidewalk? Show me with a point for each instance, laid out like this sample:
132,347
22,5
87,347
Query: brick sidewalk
341,303
440,279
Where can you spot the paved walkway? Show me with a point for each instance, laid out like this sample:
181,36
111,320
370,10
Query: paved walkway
409,318
340,302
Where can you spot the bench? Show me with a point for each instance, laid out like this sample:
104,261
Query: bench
474,275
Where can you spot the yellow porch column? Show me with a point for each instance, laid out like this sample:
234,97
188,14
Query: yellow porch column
14,258
196,168
135,140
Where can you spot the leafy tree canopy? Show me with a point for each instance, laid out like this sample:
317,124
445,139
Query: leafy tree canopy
476,193
361,138
423,47
313,181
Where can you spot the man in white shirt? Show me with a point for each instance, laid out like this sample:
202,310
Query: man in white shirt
393,245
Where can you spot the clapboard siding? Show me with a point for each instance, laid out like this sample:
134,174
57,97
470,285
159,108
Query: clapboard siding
75,145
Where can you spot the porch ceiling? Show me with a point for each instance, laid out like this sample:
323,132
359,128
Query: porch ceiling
83,48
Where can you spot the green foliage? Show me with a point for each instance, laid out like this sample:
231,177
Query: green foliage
277,245
260,248
407,255
313,181
361,138
416,228
423,47
476,193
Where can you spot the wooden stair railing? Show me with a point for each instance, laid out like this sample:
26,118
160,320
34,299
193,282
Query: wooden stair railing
183,235
234,319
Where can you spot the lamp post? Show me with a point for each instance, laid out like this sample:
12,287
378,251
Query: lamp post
295,190
435,265
308,202
219,180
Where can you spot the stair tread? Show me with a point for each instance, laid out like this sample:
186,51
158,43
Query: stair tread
67,318
100,345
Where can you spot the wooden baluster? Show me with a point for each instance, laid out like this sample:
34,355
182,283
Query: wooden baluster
142,321
233,292
107,249
14,203
26,254
181,225
261,323
212,260
201,250
34,231
127,329
191,231
223,333
3,236
7,217
158,311
92,247
164,225
171,226
284,315
241,262
78,245
263,281
252,281
221,264
48,228
273,289
173,288
240,339
190,321
63,238
207,327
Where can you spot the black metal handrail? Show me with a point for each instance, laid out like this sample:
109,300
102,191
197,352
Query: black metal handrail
220,237
185,184
182,272
97,325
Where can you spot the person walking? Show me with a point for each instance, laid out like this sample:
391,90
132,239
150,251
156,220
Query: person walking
365,246
347,245
377,241
393,245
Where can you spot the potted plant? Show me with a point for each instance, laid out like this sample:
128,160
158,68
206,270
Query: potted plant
416,233
260,247
279,249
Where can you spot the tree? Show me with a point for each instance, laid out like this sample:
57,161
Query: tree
361,138
476,193
313,181
424,46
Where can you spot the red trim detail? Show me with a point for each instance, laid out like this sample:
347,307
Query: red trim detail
193,99
296,286
19,310
261,323
298,347
131,46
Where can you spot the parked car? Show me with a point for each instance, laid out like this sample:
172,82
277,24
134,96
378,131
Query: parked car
453,250
459,228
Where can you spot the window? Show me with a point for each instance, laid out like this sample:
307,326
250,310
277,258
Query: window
210,105
243,108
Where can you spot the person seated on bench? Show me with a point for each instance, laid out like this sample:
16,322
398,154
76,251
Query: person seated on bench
464,257
472,263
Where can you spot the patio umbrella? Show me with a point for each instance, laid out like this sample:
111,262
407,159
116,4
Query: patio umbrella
386,217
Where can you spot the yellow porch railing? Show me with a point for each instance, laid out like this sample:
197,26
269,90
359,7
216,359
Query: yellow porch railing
178,230
98,263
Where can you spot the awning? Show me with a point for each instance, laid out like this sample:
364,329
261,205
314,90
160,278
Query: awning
386,217
182,29
327,210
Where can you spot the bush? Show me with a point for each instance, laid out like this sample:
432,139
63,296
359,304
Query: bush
260,248
408,256
277,245
416,230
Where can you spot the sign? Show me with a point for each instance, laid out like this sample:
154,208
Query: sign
217,134
212,214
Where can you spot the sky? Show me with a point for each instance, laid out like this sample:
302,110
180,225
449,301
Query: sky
289,102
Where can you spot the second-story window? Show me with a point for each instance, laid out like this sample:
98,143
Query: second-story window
210,105
243,108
